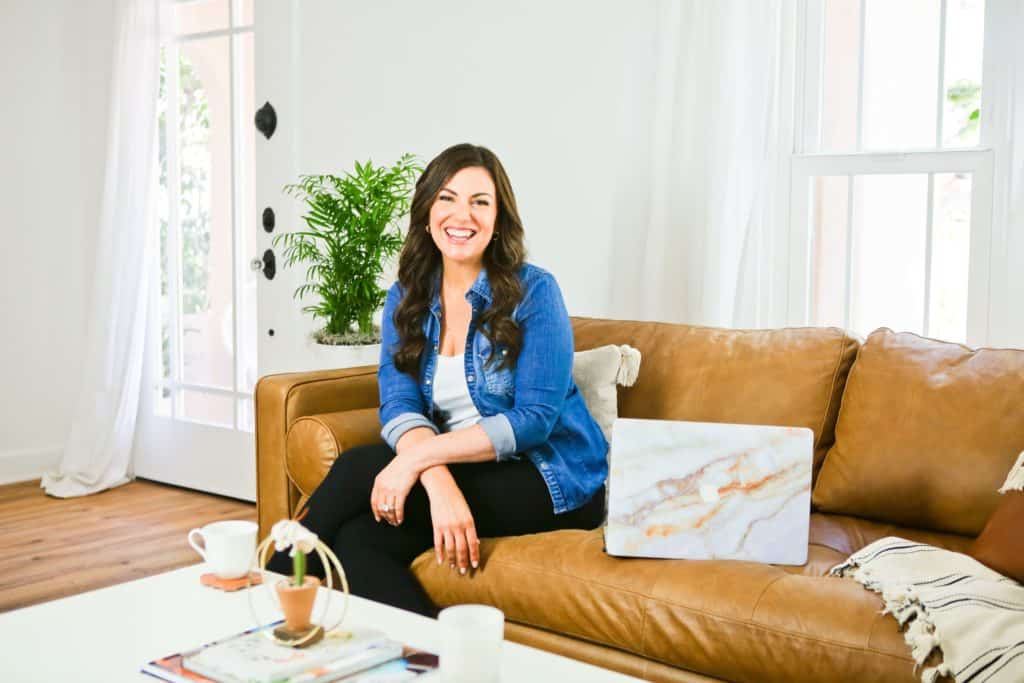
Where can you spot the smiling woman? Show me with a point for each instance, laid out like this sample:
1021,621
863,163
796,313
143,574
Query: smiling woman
486,433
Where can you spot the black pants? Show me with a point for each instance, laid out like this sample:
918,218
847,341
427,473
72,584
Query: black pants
506,499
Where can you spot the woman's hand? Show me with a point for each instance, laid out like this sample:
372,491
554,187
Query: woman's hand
391,488
455,541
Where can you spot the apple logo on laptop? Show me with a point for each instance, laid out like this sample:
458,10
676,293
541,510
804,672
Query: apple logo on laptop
709,493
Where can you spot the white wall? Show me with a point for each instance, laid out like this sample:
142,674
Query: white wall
553,88
54,82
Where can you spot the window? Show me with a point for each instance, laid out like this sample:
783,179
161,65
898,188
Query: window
208,297
891,193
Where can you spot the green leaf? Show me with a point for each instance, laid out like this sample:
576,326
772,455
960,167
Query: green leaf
353,222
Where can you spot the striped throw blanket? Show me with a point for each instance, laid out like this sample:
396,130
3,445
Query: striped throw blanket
952,602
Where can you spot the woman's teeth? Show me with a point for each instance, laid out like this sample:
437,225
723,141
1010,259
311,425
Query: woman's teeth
457,235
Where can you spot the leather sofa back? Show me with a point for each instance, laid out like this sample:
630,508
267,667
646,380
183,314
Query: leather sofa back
791,377
927,432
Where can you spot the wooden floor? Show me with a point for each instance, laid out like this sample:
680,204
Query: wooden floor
53,547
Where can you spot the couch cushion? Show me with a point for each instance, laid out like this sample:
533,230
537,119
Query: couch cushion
738,621
597,374
792,377
926,433
314,442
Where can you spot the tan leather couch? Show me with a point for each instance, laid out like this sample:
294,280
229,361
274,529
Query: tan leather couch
912,438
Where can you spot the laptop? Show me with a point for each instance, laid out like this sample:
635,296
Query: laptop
708,490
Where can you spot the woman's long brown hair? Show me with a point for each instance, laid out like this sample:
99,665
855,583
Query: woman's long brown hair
420,259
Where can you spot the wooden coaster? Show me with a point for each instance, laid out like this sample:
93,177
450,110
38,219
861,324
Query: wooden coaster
291,638
230,585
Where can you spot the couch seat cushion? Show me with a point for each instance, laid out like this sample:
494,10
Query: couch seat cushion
738,621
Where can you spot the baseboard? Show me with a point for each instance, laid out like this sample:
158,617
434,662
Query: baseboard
28,464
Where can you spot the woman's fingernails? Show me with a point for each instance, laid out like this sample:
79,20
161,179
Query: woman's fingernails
475,565
462,570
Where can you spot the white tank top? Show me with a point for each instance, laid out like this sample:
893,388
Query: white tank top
453,404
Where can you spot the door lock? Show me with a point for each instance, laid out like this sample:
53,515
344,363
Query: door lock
268,264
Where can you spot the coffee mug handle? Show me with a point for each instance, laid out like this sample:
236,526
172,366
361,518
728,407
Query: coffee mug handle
195,546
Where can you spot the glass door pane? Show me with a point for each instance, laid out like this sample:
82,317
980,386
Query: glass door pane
204,211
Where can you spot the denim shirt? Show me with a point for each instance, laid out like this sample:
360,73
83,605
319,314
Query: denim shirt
533,409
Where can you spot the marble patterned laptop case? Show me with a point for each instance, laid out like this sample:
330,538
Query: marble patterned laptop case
703,490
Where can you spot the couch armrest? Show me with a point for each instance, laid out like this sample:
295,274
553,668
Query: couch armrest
282,399
315,441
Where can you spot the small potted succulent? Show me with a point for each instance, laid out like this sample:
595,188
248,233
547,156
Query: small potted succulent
297,593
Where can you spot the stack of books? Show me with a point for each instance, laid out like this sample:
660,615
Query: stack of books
359,656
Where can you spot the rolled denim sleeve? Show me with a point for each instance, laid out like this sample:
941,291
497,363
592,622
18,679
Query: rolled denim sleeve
503,437
401,402
400,424
543,369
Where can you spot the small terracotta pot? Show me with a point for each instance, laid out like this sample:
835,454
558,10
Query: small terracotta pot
297,602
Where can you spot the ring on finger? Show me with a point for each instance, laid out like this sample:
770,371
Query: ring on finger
385,507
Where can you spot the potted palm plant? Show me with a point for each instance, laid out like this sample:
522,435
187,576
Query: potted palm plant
352,229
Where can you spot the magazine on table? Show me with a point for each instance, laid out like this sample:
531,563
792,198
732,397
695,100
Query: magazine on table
361,656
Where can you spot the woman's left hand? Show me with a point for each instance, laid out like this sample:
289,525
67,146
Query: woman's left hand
391,488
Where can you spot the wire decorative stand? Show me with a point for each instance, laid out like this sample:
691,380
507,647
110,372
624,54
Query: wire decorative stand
318,630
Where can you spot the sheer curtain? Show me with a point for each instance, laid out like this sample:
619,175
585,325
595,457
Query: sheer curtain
700,214
97,454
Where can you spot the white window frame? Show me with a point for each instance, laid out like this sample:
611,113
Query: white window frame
808,163
170,43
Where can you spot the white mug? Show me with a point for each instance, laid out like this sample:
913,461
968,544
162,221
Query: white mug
471,637
229,548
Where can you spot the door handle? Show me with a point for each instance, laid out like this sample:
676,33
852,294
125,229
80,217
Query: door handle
268,264
266,120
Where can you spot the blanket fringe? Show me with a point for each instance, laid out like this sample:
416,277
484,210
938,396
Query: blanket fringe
921,638
903,603
1015,479
629,366
932,673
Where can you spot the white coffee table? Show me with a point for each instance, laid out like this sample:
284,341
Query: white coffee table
106,635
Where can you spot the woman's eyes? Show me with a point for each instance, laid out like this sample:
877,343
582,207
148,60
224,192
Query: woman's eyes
479,202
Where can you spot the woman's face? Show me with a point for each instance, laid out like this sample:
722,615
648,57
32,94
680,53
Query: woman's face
462,216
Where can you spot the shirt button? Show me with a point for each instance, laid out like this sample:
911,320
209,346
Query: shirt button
543,465
435,347
504,352
428,381
470,378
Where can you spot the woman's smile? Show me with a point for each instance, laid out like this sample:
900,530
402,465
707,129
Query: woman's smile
459,235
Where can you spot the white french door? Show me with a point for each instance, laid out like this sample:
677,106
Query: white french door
195,426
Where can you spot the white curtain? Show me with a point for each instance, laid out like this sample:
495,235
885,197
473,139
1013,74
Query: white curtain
699,222
97,454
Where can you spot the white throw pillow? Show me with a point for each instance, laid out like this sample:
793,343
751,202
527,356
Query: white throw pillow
597,372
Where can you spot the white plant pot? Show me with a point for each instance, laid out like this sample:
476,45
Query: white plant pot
329,357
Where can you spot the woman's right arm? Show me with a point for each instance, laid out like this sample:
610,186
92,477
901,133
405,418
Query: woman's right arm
403,414
402,407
